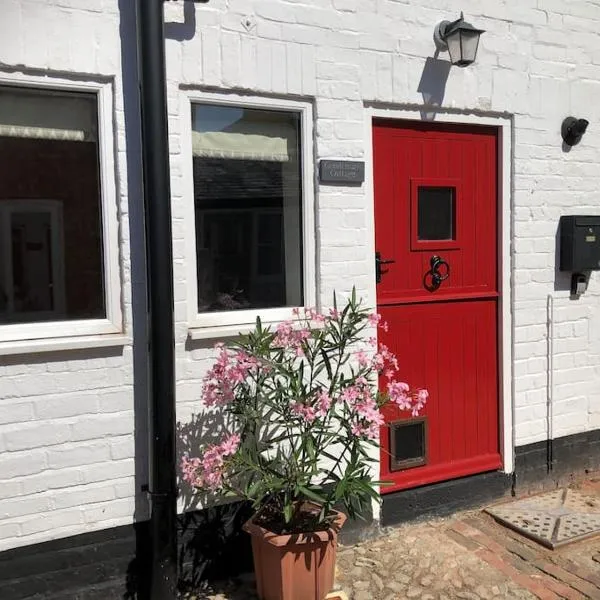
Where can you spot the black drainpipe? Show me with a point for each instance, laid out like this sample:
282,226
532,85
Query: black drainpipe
159,268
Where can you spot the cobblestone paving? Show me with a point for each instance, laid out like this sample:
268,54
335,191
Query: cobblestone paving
421,562
468,556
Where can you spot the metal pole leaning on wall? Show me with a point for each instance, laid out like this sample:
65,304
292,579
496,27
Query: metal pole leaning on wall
159,268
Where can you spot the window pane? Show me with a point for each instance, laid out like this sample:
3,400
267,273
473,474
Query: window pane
50,214
436,213
247,195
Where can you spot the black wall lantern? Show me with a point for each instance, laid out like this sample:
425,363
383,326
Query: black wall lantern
460,39
572,130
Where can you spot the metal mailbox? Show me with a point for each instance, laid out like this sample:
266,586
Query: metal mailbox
579,243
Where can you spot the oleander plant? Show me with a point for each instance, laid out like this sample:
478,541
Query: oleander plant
303,402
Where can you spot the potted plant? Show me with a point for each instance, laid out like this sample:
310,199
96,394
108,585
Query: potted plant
303,405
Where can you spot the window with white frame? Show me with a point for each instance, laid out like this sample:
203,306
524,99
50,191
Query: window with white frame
54,227
249,211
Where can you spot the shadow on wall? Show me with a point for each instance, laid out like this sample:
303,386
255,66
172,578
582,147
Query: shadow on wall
212,543
185,30
432,85
562,279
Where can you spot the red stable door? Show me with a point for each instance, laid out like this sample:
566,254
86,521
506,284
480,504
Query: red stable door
436,235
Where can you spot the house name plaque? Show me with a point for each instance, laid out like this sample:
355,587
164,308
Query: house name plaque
341,171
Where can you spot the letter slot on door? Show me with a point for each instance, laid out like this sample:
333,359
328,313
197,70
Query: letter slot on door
579,248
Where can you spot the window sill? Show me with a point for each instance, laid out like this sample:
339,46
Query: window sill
61,344
222,331
217,332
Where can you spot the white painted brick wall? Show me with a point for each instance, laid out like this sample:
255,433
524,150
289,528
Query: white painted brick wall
66,427
66,420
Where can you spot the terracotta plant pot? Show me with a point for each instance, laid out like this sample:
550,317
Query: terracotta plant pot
294,567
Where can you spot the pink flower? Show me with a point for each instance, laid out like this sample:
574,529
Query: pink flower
374,319
307,413
359,430
230,445
323,404
189,467
365,430
334,314
314,315
350,394
419,402
368,411
208,470
363,359
230,369
399,394
289,338
384,359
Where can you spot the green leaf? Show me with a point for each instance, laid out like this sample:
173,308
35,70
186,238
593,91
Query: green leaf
340,488
287,512
310,448
312,495
327,363
254,488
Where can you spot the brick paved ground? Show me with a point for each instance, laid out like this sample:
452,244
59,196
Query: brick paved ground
467,556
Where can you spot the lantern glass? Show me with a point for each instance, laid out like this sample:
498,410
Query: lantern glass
462,46
454,47
469,41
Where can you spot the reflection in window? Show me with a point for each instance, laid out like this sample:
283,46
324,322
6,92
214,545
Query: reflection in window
247,196
50,220
436,213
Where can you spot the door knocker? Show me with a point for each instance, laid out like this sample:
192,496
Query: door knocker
439,272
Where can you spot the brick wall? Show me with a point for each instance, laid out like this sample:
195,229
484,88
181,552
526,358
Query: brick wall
66,418
538,62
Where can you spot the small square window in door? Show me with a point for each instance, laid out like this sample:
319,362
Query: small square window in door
408,444
436,213
435,206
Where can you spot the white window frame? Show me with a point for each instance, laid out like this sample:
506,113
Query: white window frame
222,323
113,322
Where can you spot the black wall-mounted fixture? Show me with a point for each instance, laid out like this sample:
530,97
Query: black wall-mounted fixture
572,130
579,249
460,39
162,486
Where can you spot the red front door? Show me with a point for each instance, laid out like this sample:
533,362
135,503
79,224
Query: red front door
436,218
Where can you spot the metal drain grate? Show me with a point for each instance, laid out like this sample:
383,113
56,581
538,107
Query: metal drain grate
552,519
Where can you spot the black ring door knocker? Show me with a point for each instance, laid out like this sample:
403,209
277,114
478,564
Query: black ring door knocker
439,272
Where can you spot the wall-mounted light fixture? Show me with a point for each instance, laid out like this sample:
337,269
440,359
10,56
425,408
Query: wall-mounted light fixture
460,39
572,130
